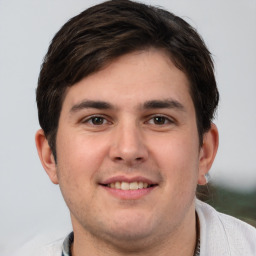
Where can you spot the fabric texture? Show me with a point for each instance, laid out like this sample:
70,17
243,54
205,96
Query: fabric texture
66,247
220,235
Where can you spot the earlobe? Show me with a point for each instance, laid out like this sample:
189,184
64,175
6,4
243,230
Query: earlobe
45,154
207,153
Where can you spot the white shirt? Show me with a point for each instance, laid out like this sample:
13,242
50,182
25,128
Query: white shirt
223,235
220,235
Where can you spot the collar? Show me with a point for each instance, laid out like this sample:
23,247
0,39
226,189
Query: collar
66,246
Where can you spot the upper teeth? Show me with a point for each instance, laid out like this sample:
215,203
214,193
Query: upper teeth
128,185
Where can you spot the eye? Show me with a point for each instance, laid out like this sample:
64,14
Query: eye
160,120
95,120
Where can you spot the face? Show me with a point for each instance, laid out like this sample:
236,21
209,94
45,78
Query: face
128,157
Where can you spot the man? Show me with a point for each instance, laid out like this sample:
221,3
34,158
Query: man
126,98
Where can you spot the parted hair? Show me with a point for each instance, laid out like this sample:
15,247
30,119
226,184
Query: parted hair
91,40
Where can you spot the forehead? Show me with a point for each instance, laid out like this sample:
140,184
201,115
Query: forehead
133,79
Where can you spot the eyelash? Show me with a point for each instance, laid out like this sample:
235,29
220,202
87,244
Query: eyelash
167,120
89,120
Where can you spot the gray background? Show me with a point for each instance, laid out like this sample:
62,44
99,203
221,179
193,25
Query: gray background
31,207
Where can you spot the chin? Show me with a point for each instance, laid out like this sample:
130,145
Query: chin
133,232
129,240
131,227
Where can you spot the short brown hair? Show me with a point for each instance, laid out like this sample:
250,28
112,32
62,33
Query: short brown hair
95,37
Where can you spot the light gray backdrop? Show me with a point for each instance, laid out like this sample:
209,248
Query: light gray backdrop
30,205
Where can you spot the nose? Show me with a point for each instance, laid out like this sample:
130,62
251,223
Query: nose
128,145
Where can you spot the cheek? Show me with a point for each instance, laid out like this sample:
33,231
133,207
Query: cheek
80,154
78,159
178,158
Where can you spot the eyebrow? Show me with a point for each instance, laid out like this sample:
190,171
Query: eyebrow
152,104
91,104
168,103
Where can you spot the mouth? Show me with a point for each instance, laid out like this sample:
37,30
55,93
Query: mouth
134,185
129,188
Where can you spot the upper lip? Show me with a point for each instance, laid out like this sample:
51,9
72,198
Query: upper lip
122,178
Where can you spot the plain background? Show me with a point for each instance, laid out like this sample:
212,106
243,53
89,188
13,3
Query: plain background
31,207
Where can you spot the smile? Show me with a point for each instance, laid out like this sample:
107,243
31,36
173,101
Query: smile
129,185
129,188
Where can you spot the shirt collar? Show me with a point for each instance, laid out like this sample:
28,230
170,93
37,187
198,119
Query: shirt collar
66,246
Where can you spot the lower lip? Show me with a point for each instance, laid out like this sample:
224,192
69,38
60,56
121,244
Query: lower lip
129,194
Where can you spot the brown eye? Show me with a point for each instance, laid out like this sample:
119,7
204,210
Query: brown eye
159,120
97,120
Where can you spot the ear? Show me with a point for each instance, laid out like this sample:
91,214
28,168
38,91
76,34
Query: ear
46,156
207,153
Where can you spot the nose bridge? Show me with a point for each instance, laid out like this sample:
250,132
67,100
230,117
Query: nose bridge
128,144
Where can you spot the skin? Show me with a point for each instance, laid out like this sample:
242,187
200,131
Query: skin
146,129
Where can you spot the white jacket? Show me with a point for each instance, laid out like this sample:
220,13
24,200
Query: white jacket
223,235
220,235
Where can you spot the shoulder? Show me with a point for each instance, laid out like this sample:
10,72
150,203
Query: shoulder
41,249
221,234
52,249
